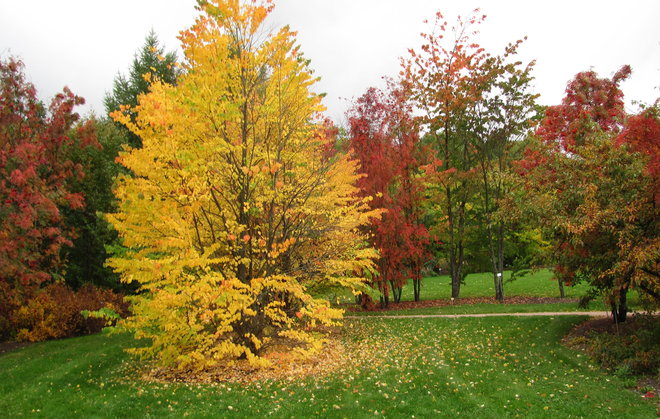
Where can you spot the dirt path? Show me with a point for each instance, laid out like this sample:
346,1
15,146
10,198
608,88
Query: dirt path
455,316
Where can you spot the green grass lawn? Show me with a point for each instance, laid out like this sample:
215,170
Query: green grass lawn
480,308
480,367
536,284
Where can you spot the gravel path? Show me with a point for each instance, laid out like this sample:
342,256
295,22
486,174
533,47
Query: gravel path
455,316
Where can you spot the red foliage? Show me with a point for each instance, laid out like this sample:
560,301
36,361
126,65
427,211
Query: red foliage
327,135
385,143
589,100
599,201
34,172
642,134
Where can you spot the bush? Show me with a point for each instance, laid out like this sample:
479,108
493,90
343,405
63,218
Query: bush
633,351
55,312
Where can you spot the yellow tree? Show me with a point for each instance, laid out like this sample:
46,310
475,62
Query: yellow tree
232,215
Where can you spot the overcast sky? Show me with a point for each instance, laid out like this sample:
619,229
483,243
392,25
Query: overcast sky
352,43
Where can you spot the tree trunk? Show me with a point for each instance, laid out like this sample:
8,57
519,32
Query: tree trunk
620,307
396,292
499,286
455,285
254,325
459,254
453,265
384,301
562,294
500,261
495,241
417,285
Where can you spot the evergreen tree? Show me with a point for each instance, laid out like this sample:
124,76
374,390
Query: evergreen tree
151,62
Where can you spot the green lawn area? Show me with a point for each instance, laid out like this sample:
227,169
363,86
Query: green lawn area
536,284
427,367
479,308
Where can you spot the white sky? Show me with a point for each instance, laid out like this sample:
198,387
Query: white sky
352,43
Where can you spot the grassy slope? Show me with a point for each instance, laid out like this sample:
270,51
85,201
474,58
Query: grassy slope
489,367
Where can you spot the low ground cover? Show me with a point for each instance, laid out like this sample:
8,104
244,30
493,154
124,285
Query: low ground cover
630,349
490,367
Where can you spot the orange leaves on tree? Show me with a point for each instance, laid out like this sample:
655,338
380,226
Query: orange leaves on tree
595,168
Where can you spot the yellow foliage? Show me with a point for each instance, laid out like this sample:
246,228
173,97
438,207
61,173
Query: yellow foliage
232,212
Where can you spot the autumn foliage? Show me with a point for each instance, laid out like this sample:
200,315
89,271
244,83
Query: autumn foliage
35,170
56,312
236,211
591,174
384,140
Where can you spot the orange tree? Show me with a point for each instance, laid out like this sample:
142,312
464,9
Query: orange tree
445,79
235,212
473,106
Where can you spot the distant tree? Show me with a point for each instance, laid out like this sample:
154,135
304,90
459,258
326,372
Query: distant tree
35,171
447,78
151,63
498,122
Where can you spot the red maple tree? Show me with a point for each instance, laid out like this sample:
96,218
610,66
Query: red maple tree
35,167
384,141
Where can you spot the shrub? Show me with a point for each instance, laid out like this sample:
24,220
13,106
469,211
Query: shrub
55,312
635,350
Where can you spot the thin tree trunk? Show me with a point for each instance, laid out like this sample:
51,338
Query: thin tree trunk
454,267
620,307
396,292
499,291
495,240
384,292
384,301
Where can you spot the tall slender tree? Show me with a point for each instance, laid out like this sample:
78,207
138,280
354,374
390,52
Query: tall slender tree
498,121
446,78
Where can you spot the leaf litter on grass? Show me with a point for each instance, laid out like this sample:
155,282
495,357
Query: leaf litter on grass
430,367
